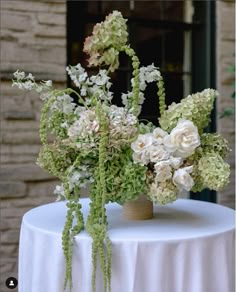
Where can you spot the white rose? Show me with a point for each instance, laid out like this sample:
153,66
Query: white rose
158,135
142,143
163,171
141,158
157,153
175,162
183,139
182,179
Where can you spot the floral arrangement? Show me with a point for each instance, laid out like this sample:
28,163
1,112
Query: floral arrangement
106,147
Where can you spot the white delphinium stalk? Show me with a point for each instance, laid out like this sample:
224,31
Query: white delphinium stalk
146,75
95,85
77,74
27,82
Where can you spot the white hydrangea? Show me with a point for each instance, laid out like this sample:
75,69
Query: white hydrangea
86,126
63,103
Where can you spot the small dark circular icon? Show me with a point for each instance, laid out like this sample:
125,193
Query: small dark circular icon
11,283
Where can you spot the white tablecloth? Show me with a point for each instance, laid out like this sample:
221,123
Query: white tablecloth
187,247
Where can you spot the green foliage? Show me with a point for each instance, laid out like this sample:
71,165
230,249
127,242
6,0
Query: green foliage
135,63
73,212
97,220
43,119
55,121
161,95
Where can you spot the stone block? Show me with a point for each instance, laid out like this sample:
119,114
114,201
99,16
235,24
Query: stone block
225,92
50,31
226,77
53,55
10,223
18,159
10,236
12,189
19,125
16,106
20,137
35,6
27,202
14,52
15,212
19,115
16,21
226,21
8,266
52,18
20,149
23,172
44,71
225,49
42,189
50,42
8,250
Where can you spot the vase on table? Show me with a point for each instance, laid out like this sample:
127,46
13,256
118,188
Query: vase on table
138,209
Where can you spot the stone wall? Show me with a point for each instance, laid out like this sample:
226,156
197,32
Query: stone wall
225,11
33,39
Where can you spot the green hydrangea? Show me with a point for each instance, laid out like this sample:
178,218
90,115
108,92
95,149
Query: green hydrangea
196,108
163,193
107,40
125,180
214,143
56,158
212,172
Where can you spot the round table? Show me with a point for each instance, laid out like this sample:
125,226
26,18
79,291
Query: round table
187,247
